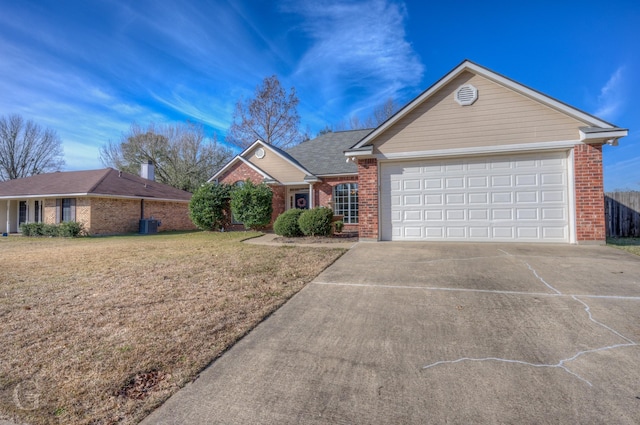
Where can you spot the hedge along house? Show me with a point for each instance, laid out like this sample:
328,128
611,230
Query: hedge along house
480,157
105,201
313,173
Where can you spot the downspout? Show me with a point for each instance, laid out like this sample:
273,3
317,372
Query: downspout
310,195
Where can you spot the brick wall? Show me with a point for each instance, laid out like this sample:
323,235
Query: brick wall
49,211
112,216
173,215
83,212
368,198
589,193
240,172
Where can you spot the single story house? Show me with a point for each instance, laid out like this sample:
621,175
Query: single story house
105,201
475,157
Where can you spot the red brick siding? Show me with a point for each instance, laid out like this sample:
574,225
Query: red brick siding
240,172
112,216
589,193
323,191
278,202
368,198
173,215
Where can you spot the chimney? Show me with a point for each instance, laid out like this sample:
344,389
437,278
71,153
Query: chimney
147,171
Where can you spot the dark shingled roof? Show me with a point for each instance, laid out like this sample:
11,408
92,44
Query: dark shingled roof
107,182
325,154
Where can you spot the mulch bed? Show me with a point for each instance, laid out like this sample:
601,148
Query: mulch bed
337,238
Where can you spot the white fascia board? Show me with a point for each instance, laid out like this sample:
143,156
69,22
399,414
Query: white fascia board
536,95
338,175
484,72
53,195
361,151
482,150
268,146
256,169
602,135
92,195
223,169
244,161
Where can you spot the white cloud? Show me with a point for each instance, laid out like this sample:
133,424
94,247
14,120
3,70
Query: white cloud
357,48
612,96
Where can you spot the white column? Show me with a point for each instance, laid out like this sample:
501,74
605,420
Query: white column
310,195
8,219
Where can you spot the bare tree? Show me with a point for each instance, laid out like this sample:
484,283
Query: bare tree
270,116
182,155
27,149
380,114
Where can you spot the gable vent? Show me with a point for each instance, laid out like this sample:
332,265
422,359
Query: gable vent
466,95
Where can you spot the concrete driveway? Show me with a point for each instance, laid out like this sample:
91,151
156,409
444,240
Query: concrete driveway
404,333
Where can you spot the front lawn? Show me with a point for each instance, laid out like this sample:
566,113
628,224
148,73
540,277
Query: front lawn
631,245
102,330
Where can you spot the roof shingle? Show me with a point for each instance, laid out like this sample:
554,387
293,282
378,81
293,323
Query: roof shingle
106,181
324,155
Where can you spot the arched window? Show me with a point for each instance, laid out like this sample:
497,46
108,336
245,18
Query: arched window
345,202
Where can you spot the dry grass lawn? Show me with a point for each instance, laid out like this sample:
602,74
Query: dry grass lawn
631,245
102,330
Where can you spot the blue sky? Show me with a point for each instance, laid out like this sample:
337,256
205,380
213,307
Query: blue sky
88,69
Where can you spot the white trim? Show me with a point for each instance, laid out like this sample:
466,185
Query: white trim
244,161
571,193
601,135
497,78
353,152
482,150
89,195
337,175
266,145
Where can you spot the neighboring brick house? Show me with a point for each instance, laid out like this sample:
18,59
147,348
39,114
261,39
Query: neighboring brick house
476,157
313,173
105,201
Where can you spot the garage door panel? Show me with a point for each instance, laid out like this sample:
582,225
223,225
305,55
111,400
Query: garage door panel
507,198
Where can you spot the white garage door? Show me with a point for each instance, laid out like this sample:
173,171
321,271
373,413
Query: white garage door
519,198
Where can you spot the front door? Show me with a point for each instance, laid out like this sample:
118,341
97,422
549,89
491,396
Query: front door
301,201
22,212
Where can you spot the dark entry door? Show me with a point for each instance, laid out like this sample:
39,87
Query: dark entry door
301,201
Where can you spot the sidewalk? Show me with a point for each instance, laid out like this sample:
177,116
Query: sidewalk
269,239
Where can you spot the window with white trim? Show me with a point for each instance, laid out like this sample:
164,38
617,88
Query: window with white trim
345,202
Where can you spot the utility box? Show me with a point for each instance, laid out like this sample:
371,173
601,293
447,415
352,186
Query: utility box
148,226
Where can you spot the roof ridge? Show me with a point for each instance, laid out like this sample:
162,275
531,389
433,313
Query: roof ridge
108,171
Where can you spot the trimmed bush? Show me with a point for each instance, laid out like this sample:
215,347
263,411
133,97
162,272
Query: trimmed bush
251,204
209,205
338,225
316,222
69,229
287,223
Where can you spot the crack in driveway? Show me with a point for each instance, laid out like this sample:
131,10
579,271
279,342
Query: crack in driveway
562,363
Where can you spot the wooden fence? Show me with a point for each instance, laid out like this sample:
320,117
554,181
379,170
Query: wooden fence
623,214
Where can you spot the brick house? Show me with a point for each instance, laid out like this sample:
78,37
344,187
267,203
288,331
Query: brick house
476,157
105,201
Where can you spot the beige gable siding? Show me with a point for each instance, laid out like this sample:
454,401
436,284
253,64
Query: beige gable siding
499,116
276,166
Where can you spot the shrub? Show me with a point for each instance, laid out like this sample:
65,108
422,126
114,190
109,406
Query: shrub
251,204
338,225
316,222
70,229
209,205
287,223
